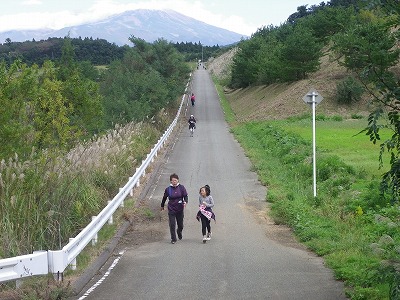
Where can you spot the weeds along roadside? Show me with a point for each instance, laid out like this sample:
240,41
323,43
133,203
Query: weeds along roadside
348,224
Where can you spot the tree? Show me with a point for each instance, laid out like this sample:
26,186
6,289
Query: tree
67,64
18,87
270,70
301,13
369,49
300,54
326,22
246,63
52,111
80,93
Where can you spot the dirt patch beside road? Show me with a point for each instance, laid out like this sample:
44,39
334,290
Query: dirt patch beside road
146,227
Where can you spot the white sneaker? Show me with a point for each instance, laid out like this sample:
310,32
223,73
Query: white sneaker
208,236
204,239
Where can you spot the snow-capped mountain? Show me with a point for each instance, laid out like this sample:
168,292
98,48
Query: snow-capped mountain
149,25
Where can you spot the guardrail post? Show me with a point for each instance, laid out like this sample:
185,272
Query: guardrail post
72,265
57,261
144,171
122,202
138,182
131,192
111,219
94,239
18,283
59,276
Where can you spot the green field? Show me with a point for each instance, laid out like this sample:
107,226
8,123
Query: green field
341,138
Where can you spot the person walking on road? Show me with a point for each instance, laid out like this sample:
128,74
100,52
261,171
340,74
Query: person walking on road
192,124
177,199
205,213
193,99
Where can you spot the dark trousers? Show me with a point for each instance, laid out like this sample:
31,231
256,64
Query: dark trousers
205,224
175,218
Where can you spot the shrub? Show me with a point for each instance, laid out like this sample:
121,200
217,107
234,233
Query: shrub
356,116
337,118
349,91
321,117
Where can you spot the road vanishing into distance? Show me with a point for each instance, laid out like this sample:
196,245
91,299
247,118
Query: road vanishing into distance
240,261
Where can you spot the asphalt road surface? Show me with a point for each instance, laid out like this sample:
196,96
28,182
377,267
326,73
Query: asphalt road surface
240,261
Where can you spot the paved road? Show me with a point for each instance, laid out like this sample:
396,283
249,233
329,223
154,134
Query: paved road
241,261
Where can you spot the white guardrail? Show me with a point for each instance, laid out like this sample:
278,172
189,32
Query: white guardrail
55,262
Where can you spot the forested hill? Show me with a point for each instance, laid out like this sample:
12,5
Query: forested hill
95,51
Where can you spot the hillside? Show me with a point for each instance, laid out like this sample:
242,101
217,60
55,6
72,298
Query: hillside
284,100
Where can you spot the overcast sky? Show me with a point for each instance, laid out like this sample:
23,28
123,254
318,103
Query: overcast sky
243,17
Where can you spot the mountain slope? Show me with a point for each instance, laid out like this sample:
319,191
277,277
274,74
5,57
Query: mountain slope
149,25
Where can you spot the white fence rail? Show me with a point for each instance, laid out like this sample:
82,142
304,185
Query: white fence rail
55,262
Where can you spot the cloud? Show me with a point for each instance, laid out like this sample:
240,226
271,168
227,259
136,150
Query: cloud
31,2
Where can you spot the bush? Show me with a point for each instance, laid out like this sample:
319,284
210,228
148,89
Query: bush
349,91
337,118
356,116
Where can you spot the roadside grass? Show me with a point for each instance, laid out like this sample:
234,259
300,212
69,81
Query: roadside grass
349,223
228,112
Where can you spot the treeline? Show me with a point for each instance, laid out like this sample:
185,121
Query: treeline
59,103
96,51
361,35
196,51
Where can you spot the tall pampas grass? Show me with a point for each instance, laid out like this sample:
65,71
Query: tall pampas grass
51,196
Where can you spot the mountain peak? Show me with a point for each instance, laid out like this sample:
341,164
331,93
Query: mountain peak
147,24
